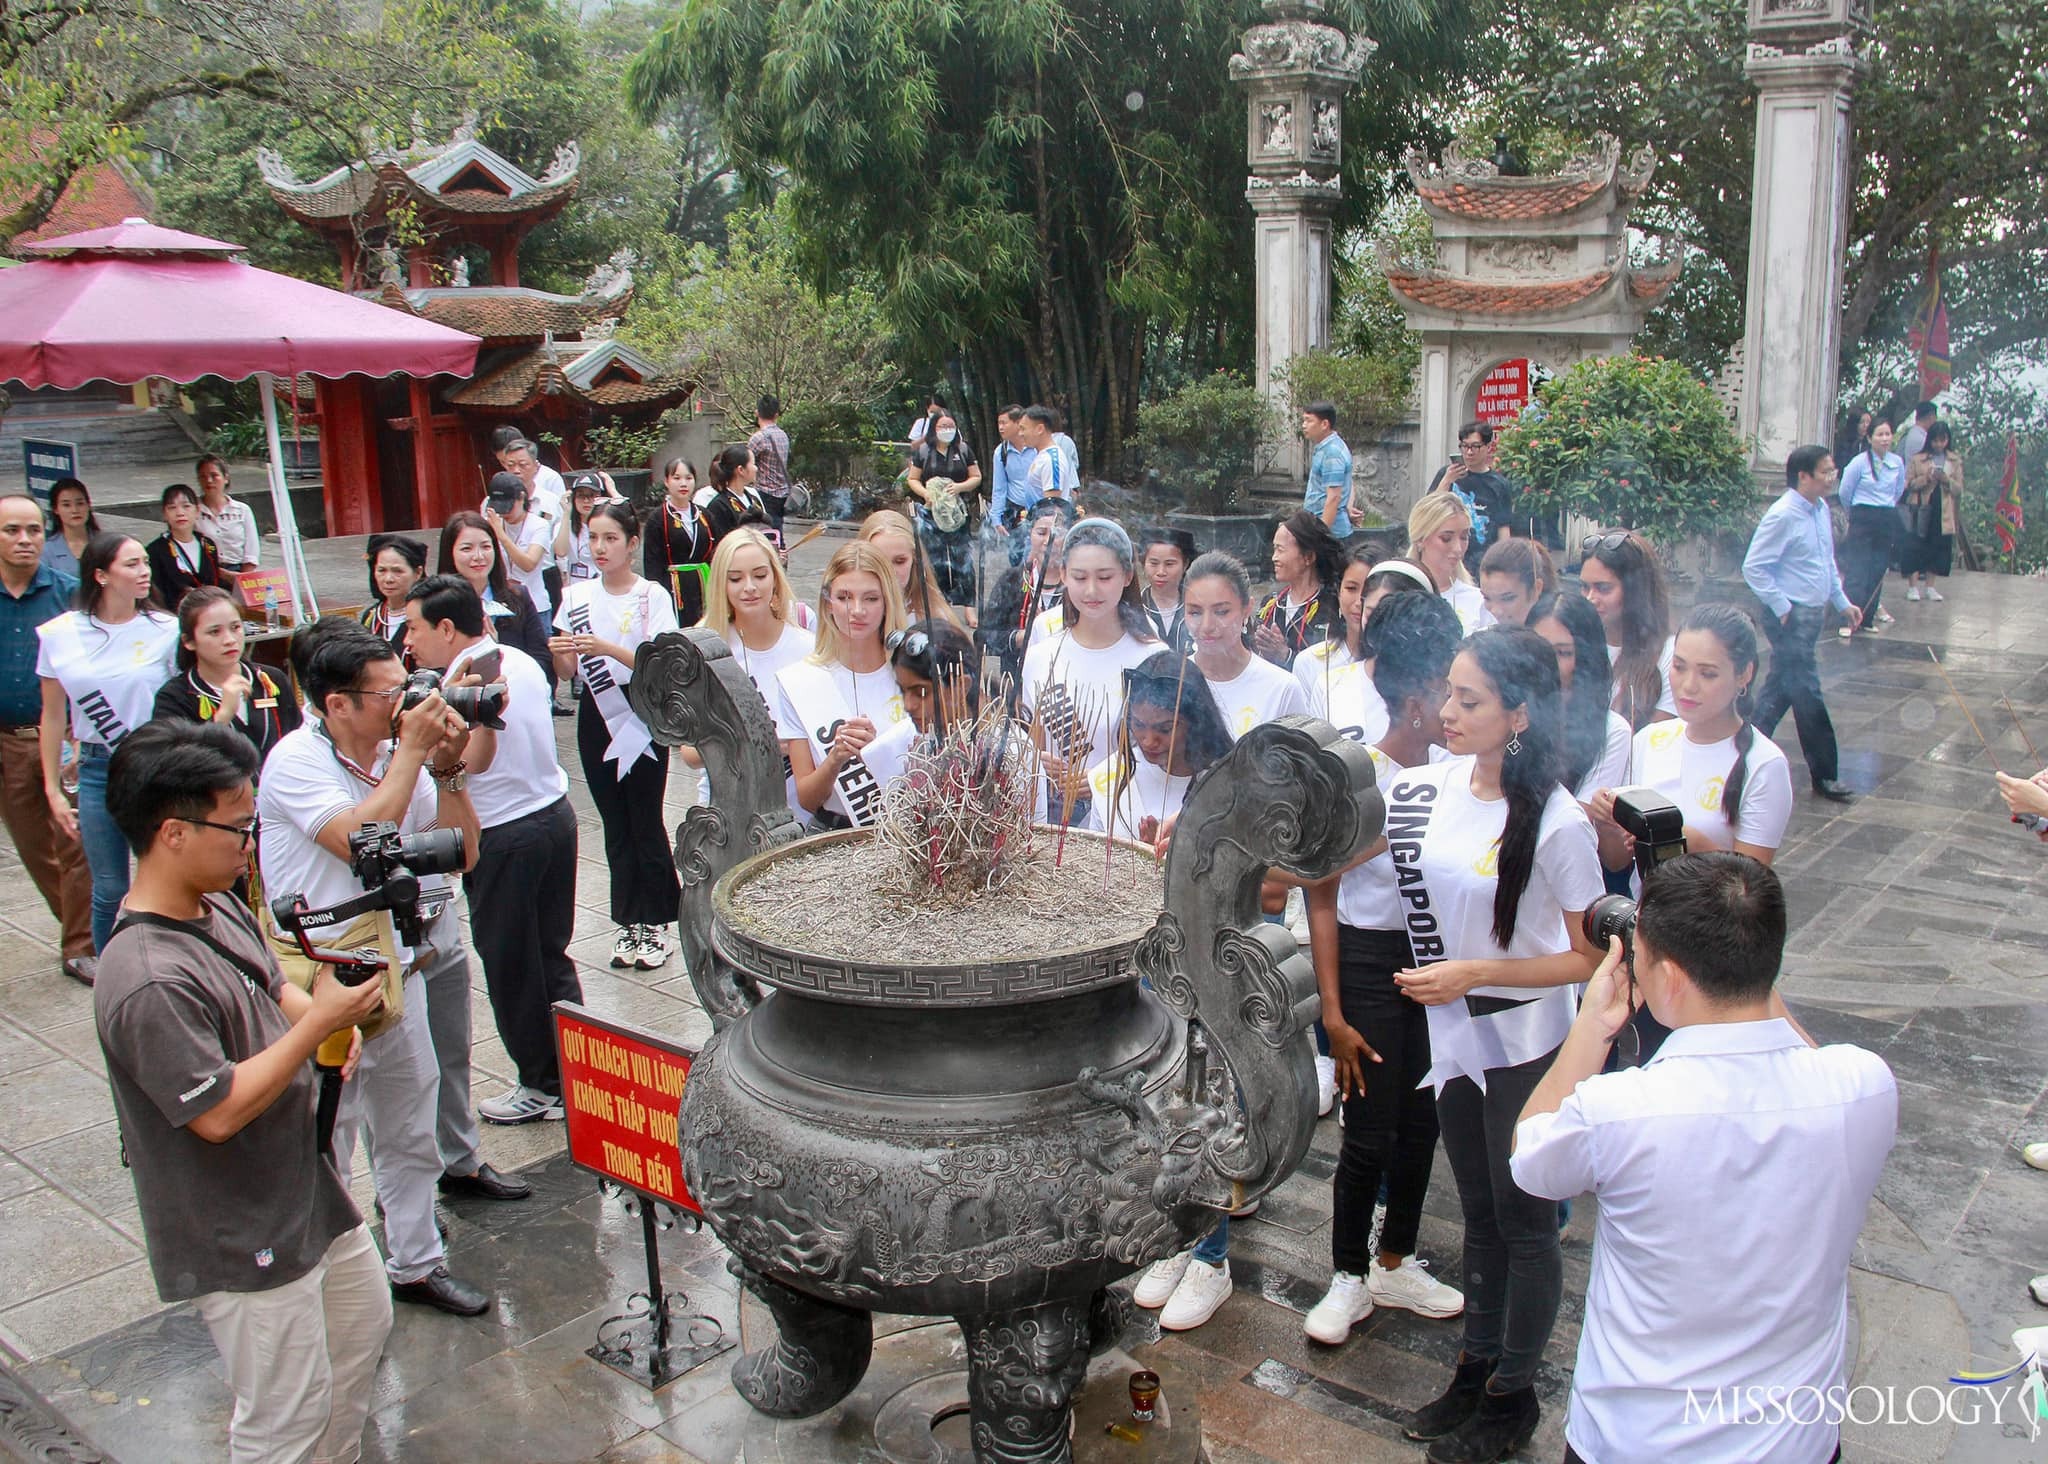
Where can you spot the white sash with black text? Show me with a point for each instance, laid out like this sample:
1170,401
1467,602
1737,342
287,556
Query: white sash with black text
631,740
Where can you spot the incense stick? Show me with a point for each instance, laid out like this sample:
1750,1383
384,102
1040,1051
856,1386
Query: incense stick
816,529
1966,709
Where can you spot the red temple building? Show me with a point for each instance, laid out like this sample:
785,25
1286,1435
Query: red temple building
411,229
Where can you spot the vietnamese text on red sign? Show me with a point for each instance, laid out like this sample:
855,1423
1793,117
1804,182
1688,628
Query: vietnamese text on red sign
621,1096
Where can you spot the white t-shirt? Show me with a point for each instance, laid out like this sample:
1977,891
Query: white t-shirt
1367,898
1059,670
304,787
1260,693
1693,775
1315,664
1666,702
632,619
812,700
762,667
525,776
1470,605
1148,791
577,563
1445,848
1350,703
529,531
110,673
1612,769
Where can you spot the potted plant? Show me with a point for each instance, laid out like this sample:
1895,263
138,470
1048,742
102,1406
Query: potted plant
627,453
1632,442
1201,444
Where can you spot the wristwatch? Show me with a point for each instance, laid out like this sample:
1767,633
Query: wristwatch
455,780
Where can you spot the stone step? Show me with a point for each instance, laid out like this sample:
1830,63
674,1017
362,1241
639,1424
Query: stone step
105,440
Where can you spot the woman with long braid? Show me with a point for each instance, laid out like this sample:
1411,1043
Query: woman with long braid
1504,866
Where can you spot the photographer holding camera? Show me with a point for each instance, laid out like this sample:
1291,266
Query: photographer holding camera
206,1047
522,888
1733,1170
369,758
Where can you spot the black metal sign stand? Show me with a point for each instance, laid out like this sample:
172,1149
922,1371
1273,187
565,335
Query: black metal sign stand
657,1339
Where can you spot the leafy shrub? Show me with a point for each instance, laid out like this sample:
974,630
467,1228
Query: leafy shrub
1370,395
1203,441
1633,442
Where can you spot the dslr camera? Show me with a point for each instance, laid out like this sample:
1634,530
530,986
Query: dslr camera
388,865
1658,828
480,706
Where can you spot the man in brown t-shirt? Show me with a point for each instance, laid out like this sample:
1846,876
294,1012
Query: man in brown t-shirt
208,1050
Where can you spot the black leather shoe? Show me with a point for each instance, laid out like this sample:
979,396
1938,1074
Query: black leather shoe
443,1292
1834,790
82,969
486,1184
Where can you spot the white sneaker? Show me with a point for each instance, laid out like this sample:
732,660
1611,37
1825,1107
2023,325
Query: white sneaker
1934,594
519,1104
1410,1287
2036,1155
626,949
1326,1085
2038,1289
1194,1301
1156,1285
1884,616
654,948
1913,592
1347,1303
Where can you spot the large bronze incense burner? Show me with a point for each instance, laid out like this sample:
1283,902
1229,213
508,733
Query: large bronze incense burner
998,1139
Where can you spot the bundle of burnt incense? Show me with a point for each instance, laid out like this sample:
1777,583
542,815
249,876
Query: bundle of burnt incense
1064,723
956,823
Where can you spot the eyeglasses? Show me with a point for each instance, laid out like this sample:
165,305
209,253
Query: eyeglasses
392,695
245,832
1600,543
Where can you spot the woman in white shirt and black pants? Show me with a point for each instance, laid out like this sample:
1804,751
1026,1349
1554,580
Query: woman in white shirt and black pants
1507,866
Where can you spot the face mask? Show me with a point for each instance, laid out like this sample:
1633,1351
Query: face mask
947,434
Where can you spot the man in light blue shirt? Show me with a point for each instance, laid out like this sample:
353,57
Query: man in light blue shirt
1011,496
1329,469
1871,485
1791,567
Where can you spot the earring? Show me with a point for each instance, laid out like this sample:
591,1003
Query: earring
1418,724
1514,748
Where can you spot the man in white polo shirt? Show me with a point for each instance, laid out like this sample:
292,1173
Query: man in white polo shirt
322,782
1733,1171
522,889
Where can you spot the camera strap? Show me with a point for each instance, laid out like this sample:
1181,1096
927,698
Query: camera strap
240,962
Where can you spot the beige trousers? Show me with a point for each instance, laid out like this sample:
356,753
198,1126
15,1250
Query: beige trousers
301,1358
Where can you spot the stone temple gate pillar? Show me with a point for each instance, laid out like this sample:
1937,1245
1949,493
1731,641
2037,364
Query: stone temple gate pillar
1802,58
1295,70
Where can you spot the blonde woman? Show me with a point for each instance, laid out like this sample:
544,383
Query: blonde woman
1439,532
748,600
896,540
836,701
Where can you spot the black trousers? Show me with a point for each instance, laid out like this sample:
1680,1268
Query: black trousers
1514,1271
522,915
1390,1129
1794,681
644,886
1873,533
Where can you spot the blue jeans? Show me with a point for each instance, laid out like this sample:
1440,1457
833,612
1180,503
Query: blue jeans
1214,1247
106,852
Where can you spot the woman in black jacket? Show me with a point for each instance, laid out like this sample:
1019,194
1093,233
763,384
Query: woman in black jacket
470,549
181,559
214,684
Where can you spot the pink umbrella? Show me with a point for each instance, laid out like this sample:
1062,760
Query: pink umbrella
135,300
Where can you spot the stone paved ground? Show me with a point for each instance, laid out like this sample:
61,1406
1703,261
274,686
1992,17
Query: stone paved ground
1915,934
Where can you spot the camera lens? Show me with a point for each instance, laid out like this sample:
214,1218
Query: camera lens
438,851
1609,916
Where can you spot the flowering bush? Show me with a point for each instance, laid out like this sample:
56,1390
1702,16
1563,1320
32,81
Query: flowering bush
1633,442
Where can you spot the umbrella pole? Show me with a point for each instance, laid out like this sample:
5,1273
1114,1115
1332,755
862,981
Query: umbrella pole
302,606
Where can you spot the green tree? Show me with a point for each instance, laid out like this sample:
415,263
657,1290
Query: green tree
750,324
82,80
1048,193
1951,135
